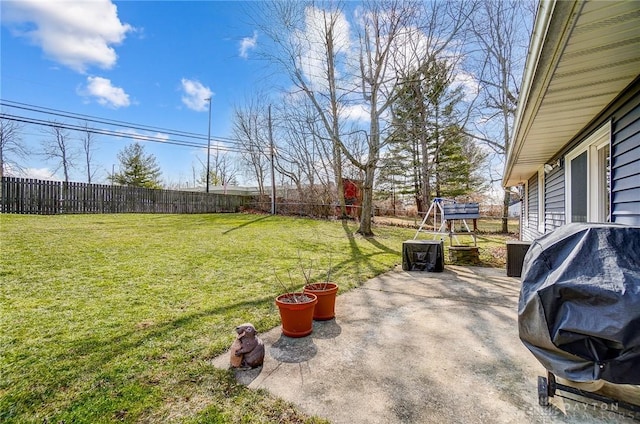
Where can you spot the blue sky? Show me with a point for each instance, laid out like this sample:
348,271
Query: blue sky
145,62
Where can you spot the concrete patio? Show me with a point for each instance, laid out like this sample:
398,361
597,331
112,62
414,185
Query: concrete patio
417,347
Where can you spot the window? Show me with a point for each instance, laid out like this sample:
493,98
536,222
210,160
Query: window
578,192
587,177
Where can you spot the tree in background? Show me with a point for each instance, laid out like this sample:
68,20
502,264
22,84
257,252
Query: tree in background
303,155
57,146
428,145
250,128
349,69
89,140
223,170
311,45
502,30
137,169
458,165
11,147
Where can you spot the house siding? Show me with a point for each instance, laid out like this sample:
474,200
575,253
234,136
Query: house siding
554,213
530,229
625,163
624,114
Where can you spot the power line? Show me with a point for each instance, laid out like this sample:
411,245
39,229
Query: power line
182,138
112,122
57,112
112,133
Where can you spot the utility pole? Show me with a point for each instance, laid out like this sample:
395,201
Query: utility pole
273,172
209,145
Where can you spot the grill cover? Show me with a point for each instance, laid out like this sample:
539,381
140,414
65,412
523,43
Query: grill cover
579,308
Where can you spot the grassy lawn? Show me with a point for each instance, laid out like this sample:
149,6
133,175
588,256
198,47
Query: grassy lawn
115,318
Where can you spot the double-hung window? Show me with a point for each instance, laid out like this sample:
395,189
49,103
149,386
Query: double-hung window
587,174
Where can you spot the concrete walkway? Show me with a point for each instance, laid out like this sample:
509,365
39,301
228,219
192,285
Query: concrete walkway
416,347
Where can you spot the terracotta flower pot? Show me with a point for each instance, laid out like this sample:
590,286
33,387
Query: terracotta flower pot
296,313
326,293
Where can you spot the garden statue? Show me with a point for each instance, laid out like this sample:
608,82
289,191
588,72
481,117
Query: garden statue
247,350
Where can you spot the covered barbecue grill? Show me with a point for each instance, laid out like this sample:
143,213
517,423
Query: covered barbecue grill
579,308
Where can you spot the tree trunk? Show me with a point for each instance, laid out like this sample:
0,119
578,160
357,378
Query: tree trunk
505,211
337,160
367,201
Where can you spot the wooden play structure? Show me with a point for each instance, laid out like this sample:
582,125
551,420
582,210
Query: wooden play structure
444,213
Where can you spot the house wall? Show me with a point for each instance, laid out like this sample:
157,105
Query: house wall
624,115
625,163
554,211
529,230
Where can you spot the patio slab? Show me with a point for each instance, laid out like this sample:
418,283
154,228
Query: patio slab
418,347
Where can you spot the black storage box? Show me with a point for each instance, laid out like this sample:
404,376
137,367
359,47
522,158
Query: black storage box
516,250
423,255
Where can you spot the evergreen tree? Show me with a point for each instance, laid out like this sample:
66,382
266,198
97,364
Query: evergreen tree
428,147
137,169
458,164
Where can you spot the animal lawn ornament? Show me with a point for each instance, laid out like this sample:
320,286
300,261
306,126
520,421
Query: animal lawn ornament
247,350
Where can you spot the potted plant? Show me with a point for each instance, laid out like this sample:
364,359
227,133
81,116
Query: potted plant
296,312
326,292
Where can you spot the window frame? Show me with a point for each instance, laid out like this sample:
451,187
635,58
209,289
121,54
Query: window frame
593,144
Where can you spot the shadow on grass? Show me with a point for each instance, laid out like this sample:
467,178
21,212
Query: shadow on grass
381,246
160,330
359,259
247,223
95,360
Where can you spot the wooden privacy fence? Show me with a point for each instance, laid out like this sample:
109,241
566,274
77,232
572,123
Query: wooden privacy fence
30,196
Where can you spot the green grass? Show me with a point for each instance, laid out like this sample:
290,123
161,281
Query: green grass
115,318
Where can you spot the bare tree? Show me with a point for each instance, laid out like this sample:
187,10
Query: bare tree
311,45
223,169
11,147
250,128
57,147
384,27
317,47
89,140
304,151
502,30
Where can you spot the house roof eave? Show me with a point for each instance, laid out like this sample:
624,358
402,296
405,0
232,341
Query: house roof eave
545,49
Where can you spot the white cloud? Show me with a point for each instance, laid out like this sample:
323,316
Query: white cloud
39,174
147,137
195,95
76,33
161,136
356,113
248,43
469,84
105,93
311,39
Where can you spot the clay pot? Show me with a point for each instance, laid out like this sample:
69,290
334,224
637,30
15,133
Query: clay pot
296,313
326,293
